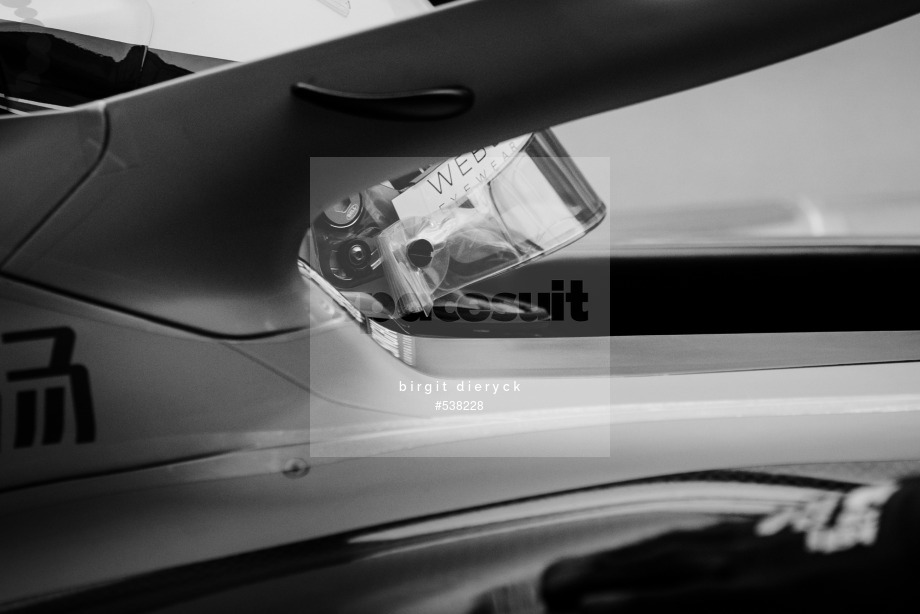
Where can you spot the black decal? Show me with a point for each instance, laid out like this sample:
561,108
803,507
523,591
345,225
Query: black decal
25,418
54,415
59,365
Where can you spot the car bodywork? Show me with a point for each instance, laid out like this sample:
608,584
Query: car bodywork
150,281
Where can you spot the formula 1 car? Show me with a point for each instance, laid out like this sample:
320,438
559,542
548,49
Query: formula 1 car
249,357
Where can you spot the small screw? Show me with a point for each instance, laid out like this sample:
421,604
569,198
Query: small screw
357,255
295,468
419,252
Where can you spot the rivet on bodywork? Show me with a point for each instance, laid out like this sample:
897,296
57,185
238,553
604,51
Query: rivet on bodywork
295,468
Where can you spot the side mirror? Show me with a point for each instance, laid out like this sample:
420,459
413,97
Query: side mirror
433,232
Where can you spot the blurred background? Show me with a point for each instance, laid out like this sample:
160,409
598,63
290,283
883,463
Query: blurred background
835,131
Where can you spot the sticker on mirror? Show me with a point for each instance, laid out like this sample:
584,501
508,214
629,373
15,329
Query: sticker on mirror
451,180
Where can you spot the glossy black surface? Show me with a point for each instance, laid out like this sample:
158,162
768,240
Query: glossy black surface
441,563
806,288
48,66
